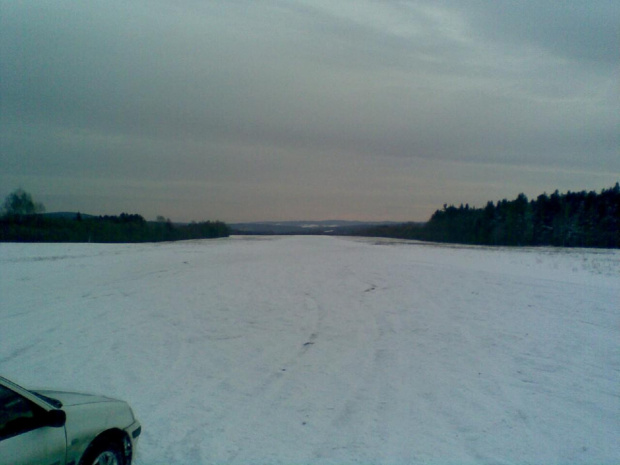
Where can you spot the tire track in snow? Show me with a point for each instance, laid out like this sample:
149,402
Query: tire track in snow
299,387
276,385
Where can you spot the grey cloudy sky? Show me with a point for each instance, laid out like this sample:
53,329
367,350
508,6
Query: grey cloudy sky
246,110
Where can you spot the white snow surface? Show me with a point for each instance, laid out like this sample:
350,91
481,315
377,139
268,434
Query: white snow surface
324,350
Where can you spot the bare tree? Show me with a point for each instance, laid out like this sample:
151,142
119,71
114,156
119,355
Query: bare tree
19,202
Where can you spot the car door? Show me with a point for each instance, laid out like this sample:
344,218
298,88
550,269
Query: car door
24,440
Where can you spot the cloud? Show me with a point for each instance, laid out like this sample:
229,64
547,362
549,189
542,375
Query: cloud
582,31
298,99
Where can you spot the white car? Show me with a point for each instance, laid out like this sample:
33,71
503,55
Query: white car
41,427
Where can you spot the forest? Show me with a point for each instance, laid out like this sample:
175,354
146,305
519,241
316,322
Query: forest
573,219
103,229
24,220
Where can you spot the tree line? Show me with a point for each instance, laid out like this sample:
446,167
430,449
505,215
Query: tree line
23,221
573,219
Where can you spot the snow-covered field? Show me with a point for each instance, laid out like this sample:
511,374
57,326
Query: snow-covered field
322,350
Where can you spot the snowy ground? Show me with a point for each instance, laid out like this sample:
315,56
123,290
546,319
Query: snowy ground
320,350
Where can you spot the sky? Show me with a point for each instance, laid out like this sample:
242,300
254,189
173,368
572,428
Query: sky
279,110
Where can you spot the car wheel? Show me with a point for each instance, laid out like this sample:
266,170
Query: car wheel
104,454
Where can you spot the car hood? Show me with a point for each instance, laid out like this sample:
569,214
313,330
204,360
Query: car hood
73,398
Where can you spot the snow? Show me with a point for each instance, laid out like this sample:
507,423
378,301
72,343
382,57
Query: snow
324,350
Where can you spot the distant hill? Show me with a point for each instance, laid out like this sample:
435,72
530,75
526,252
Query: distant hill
332,227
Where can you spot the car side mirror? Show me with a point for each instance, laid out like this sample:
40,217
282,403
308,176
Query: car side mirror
55,418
